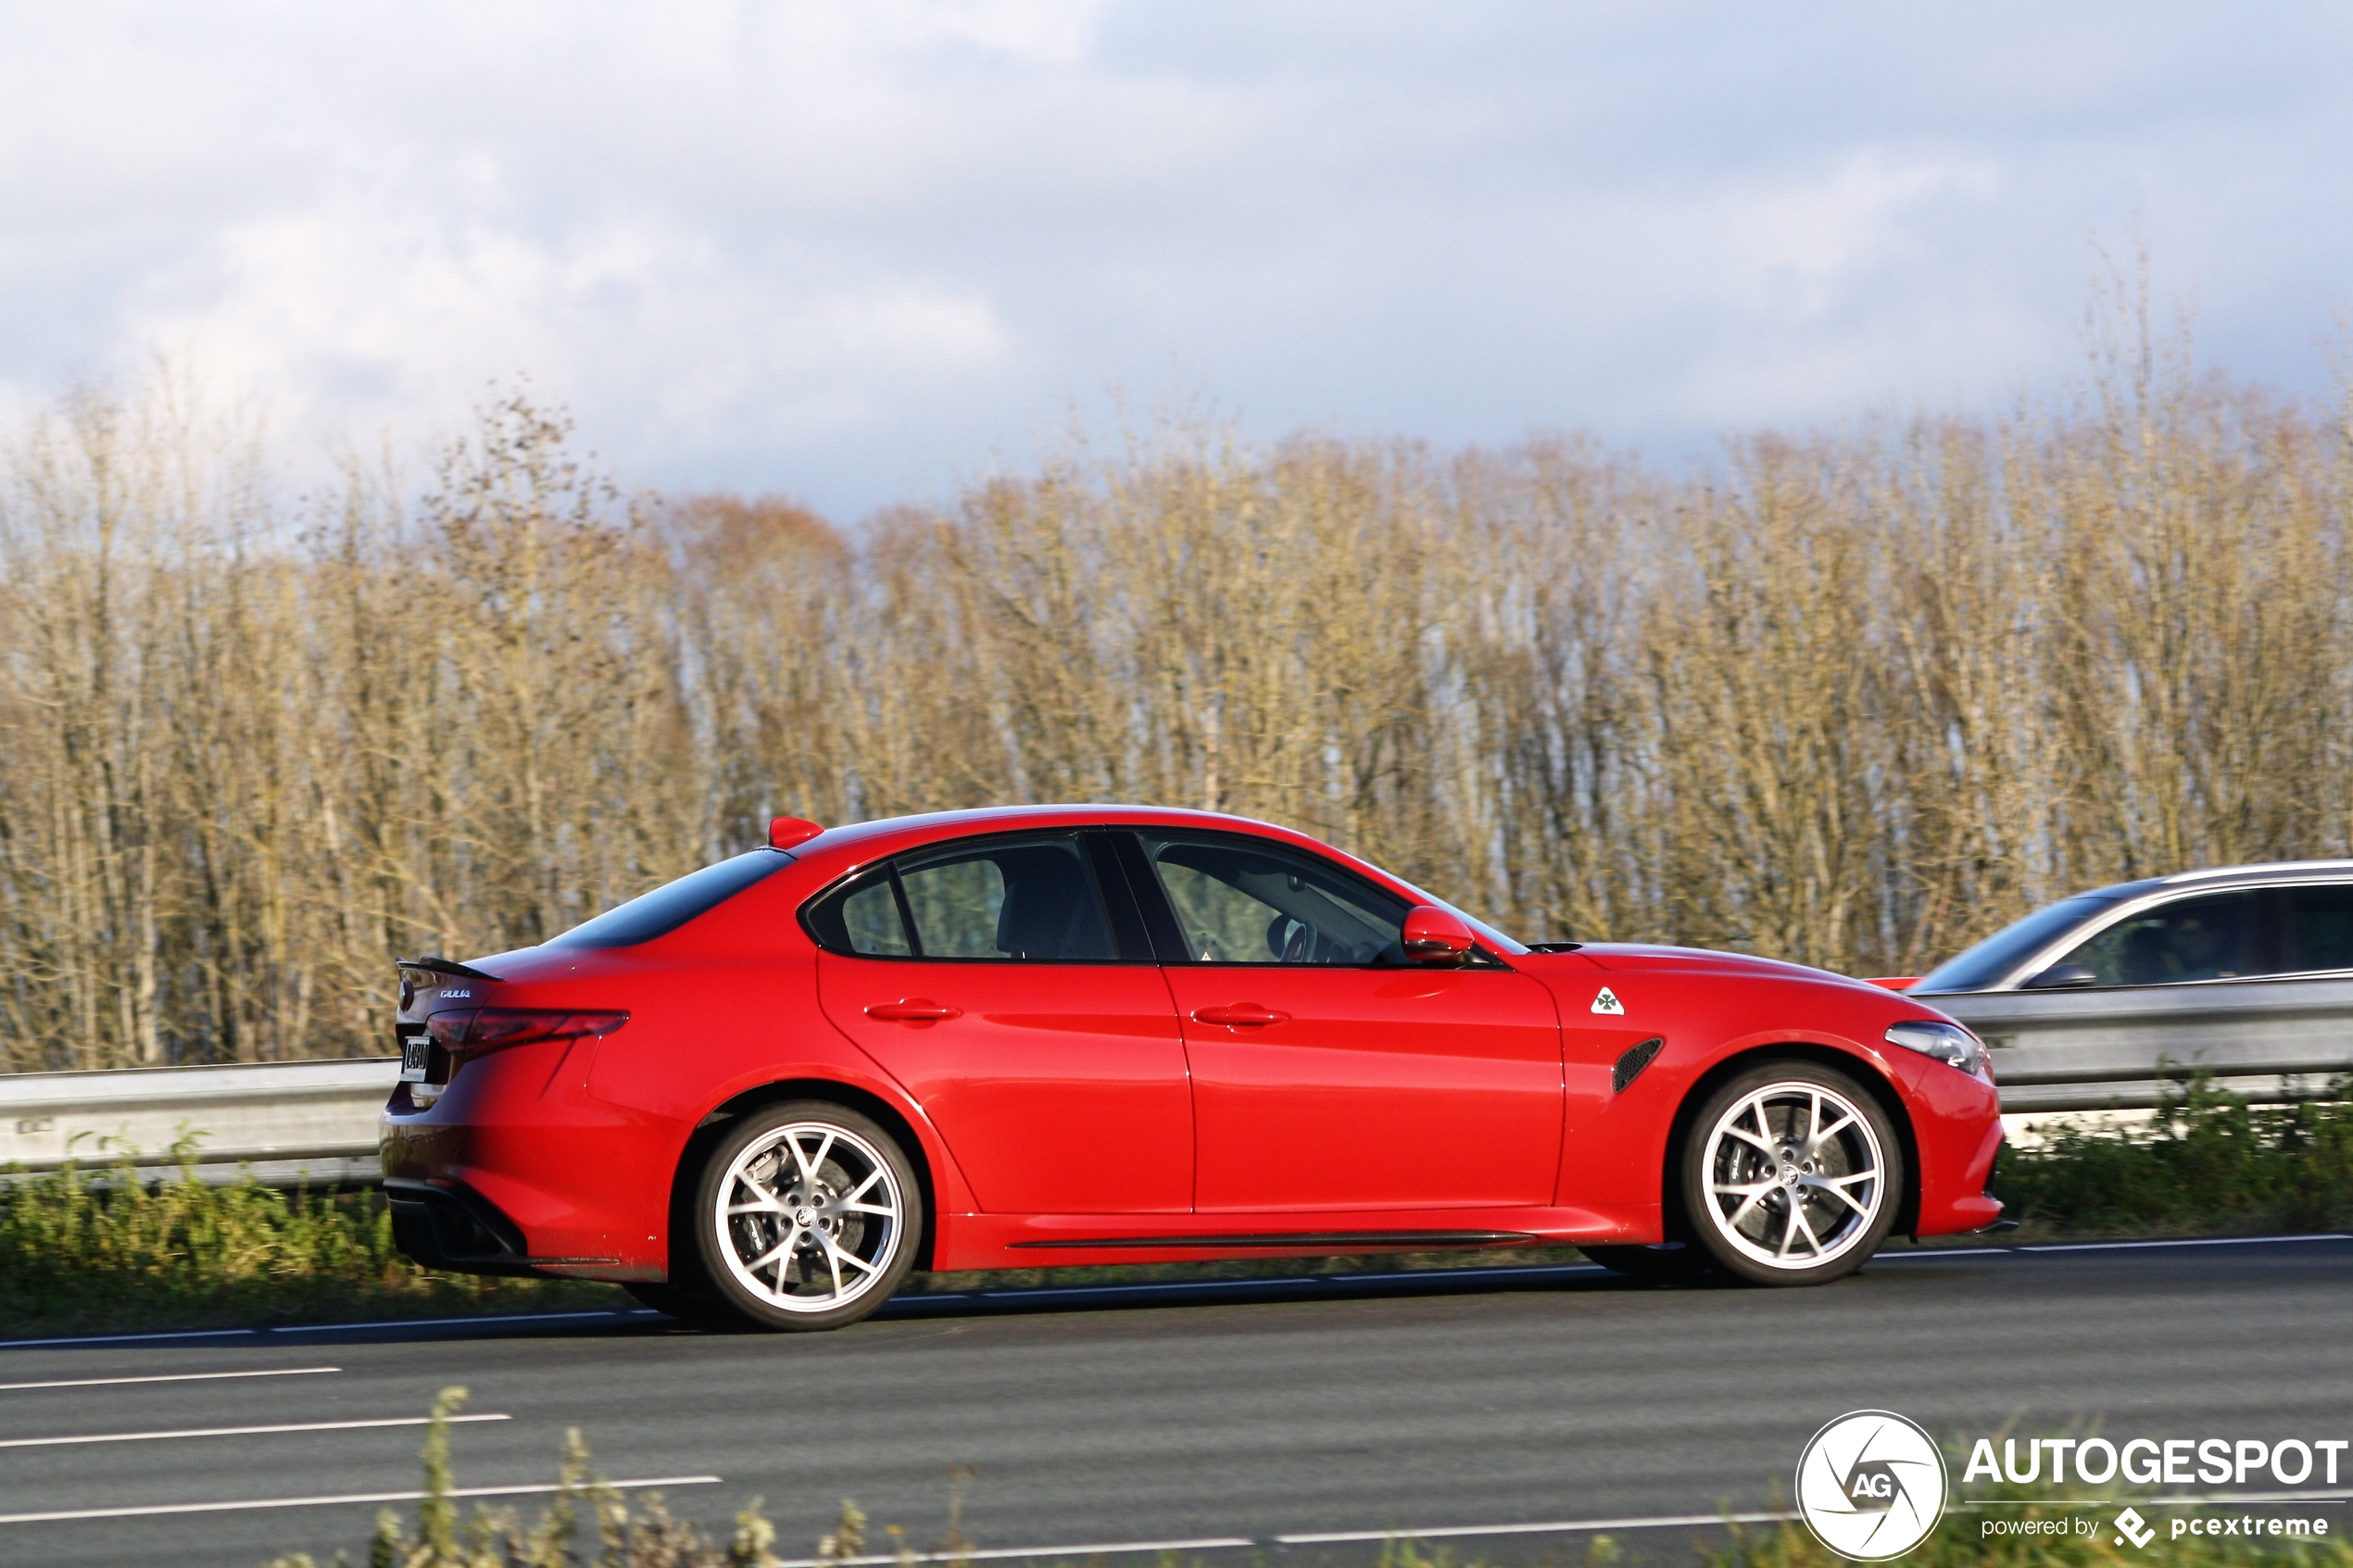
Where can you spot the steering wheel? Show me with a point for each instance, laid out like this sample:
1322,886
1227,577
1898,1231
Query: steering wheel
1295,945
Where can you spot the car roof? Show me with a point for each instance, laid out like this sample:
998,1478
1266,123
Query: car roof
839,849
2231,876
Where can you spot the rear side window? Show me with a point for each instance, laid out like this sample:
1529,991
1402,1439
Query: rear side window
673,905
2319,934
1027,899
871,922
2208,938
1243,902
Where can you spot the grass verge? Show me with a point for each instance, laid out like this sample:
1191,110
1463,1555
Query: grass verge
2206,1164
120,1252
124,1253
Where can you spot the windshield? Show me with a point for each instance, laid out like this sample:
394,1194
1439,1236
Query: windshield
1982,965
673,905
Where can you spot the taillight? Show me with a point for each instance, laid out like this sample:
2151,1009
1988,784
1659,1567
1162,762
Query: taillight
472,1030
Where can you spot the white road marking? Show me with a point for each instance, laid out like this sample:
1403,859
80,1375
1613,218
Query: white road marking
238,1431
1336,1537
1205,1543
170,1377
121,1338
150,1510
2196,1241
1560,1526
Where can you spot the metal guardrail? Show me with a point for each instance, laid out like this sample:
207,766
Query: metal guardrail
291,1122
2054,1052
2269,1041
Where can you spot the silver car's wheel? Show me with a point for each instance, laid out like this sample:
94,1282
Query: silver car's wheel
1793,1175
809,1214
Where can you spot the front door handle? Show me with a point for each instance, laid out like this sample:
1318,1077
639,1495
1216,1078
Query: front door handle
1242,1015
912,1009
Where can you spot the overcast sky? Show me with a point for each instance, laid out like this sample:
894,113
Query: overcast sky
857,251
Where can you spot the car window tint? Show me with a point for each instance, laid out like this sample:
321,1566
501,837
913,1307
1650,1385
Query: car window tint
673,905
871,923
1237,902
1030,899
1986,963
2208,938
862,918
2319,928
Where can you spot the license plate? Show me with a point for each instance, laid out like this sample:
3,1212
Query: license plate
416,1051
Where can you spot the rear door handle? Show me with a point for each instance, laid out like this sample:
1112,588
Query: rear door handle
1242,1015
912,1009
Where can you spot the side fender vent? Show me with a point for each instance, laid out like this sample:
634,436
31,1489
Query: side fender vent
1629,1066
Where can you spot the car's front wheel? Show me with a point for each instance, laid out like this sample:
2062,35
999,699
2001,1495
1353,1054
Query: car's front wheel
807,1216
1792,1175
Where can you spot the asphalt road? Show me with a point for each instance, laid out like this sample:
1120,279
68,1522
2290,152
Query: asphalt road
1519,1396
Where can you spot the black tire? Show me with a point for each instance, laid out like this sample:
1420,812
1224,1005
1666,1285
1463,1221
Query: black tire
806,1217
1770,1201
1669,1262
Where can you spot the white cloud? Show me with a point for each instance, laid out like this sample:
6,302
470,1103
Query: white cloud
851,250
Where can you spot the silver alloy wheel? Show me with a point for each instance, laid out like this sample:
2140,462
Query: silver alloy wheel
1796,1175
809,1217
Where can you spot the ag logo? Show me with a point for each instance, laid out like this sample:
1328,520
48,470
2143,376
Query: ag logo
1871,1485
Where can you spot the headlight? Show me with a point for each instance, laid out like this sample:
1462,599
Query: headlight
1948,1043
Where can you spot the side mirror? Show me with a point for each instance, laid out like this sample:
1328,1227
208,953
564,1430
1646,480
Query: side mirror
1434,937
2060,977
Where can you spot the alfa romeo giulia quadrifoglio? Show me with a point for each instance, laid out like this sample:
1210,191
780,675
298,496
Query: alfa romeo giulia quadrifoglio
1052,1036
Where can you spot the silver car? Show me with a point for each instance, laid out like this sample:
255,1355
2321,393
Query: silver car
2245,971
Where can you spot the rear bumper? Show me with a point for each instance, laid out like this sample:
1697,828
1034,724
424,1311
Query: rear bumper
444,1225
515,1171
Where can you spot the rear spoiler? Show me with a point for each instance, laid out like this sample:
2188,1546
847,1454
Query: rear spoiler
1893,982
443,966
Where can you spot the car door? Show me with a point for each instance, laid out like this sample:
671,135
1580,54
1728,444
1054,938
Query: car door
986,975
2235,982
1329,1074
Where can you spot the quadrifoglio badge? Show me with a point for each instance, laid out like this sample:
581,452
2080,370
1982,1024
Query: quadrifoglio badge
1871,1485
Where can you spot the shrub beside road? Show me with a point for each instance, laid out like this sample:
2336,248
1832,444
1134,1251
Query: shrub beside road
590,1522
114,1252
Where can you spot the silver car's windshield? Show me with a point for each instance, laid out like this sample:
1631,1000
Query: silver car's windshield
1982,965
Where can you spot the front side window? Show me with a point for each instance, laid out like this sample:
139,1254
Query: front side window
1241,902
2208,938
1030,899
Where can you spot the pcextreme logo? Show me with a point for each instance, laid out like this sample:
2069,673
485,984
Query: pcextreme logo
1871,1485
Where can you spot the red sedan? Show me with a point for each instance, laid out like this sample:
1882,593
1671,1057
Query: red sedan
1115,1035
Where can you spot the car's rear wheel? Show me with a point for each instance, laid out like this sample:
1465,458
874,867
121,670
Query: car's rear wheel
807,1216
1792,1175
